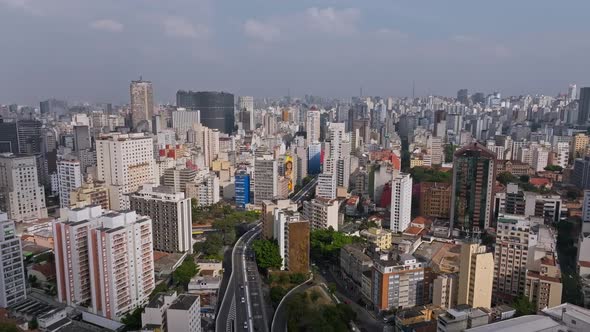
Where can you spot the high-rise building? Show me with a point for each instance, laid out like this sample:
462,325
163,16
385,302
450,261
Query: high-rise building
12,269
29,136
435,199
584,105
216,108
171,217
474,175
562,154
292,235
314,158
579,145
142,104
124,162
312,126
572,92
53,106
8,137
266,186
105,260
322,213
326,187
69,178
178,177
581,173
463,96
82,138
540,159
269,208
476,276
246,106
21,196
444,291
401,202
183,120
400,283
184,314
242,183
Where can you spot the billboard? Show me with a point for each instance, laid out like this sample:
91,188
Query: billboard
289,174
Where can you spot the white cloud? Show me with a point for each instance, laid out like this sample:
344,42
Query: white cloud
310,22
181,28
266,32
332,20
107,25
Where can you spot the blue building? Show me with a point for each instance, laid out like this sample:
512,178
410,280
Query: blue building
314,157
242,181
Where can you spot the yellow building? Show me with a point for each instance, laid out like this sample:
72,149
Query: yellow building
543,283
476,276
378,236
579,144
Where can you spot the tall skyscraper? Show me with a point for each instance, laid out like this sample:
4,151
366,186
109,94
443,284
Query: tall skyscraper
69,178
401,202
584,105
313,126
21,196
12,270
246,109
217,108
8,136
314,159
474,175
171,217
292,235
82,138
572,92
242,180
29,136
326,187
125,162
142,105
476,276
105,260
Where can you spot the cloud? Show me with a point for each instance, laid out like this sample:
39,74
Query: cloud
310,22
262,31
107,25
179,27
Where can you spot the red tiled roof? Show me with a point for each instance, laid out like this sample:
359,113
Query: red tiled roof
539,182
413,230
420,220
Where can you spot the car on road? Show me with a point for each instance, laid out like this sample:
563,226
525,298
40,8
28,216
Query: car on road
241,286
243,300
246,325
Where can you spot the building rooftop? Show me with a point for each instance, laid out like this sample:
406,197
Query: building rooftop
184,302
519,324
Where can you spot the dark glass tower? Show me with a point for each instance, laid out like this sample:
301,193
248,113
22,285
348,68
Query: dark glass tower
474,175
8,137
584,106
217,108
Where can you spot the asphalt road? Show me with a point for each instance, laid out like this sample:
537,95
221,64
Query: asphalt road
235,315
302,194
279,322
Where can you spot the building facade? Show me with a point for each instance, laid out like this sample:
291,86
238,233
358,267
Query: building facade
12,270
476,276
142,104
401,202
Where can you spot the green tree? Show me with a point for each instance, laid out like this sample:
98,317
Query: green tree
211,247
276,294
267,254
184,273
554,168
326,244
132,320
524,178
523,306
506,178
33,324
160,288
332,288
449,152
430,174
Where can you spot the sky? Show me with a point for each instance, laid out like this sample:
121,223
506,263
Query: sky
89,50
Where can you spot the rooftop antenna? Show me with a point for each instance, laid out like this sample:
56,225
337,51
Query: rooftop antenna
361,95
413,89
140,78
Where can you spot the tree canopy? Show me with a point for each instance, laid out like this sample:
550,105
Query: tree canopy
523,306
326,244
430,174
184,273
554,168
267,254
506,178
305,315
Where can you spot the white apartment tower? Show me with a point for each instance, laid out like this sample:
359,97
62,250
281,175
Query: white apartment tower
105,259
184,314
205,191
171,217
401,202
69,178
266,174
12,273
540,159
326,187
322,213
183,120
313,126
124,162
21,196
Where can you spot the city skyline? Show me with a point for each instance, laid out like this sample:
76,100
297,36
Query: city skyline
322,47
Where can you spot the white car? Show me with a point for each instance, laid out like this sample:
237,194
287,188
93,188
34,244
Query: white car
243,300
246,325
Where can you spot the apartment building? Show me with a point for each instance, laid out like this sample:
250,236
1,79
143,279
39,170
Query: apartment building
171,217
322,213
184,314
266,185
400,282
476,278
445,290
90,193
12,270
21,196
401,202
269,207
205,191
104,260
292,235
69,178
354,262
124,162
326,187
381,238
435,199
